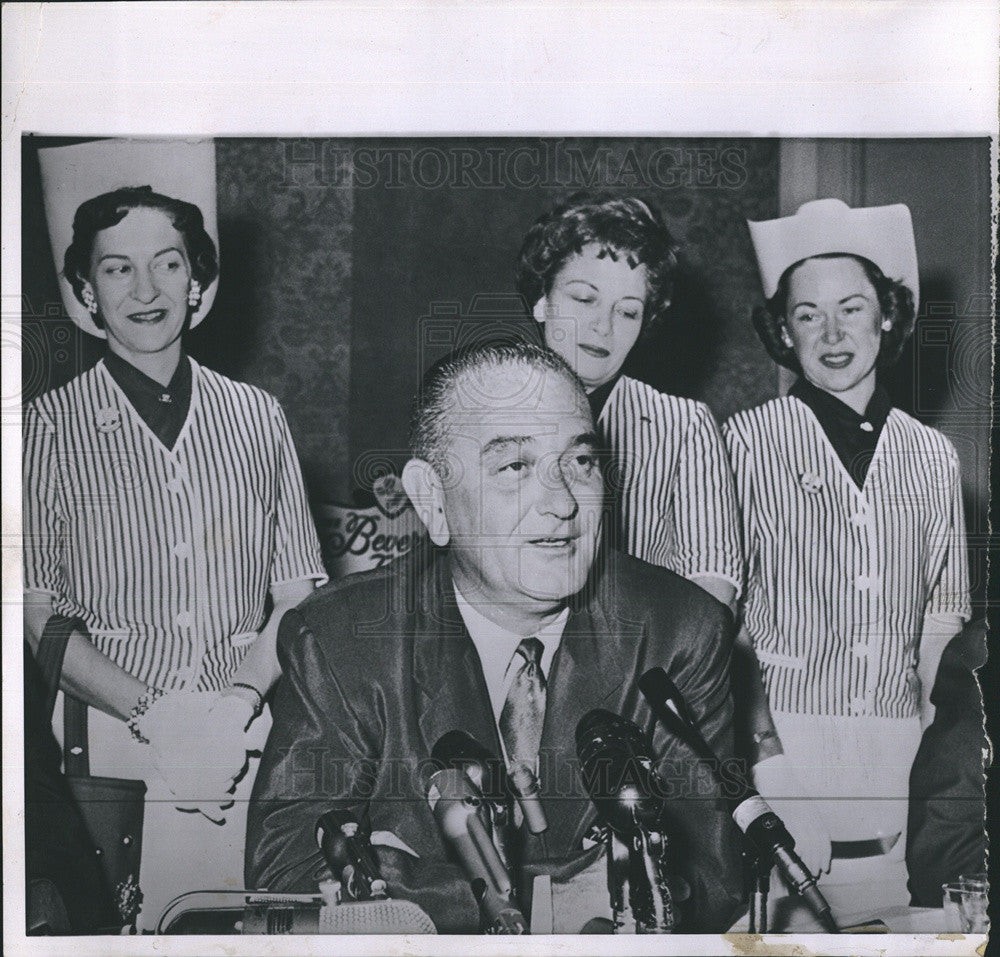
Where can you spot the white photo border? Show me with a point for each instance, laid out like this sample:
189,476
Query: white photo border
636,67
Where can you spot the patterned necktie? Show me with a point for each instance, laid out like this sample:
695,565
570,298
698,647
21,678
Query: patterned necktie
524,710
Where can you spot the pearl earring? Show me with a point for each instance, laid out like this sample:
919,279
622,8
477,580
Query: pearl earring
886,325
89,301
194,295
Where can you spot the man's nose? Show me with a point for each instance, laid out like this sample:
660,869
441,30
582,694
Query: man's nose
557,498
144,288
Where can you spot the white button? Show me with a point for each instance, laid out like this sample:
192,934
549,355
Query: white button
867,427
185,619
858,706
862,583
860,649
176,485
860,518
182,550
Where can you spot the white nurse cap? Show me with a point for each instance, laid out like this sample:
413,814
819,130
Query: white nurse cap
180,169
881,234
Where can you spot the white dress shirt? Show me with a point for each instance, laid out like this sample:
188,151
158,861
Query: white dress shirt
497,647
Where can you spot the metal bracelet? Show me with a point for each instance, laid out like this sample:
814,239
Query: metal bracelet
146,700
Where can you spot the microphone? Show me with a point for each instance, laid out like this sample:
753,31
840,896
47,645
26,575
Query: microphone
617,768
460,749
258,912
345,840
460,812
764,830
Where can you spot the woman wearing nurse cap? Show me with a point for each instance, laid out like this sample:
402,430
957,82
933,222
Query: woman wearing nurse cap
166,525
854,535
599,271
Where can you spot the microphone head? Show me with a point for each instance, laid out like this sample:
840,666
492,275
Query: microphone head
330,829
452,784
337,817
458,745
616,766
458,749
601,725
453,799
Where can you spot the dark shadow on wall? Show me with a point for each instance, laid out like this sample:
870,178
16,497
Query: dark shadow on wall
425,254
681,352
921,381
226,341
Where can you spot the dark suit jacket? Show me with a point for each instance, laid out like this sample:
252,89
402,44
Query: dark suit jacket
378,666
945,832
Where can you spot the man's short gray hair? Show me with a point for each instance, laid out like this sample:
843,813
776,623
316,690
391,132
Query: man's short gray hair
429,416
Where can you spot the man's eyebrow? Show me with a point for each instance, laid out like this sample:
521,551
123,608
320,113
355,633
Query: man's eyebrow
501,442
587,438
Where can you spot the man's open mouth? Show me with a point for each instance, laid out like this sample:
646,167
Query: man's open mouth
553,542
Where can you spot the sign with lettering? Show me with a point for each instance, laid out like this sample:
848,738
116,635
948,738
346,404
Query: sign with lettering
356,539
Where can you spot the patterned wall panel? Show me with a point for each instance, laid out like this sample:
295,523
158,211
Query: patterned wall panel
439,223
282,318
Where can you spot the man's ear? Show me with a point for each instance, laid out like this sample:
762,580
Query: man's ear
539,311
423,486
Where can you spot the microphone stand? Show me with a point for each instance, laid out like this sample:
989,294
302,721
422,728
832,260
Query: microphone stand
758,878
617,769
638,887
759,847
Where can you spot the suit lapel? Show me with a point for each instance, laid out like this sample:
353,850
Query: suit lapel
590,670
447,674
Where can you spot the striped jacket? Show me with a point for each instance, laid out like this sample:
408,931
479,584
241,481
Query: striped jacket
166,555
839,579
672,483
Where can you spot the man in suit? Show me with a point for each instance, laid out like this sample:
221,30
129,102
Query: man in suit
511,628
945,831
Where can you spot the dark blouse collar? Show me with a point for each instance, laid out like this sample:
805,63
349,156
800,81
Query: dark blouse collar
854,437
163,408
829,409
134,381
599,397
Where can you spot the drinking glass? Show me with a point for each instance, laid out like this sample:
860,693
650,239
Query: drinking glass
965,903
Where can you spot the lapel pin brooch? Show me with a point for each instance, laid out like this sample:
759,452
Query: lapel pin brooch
810,482
108,420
